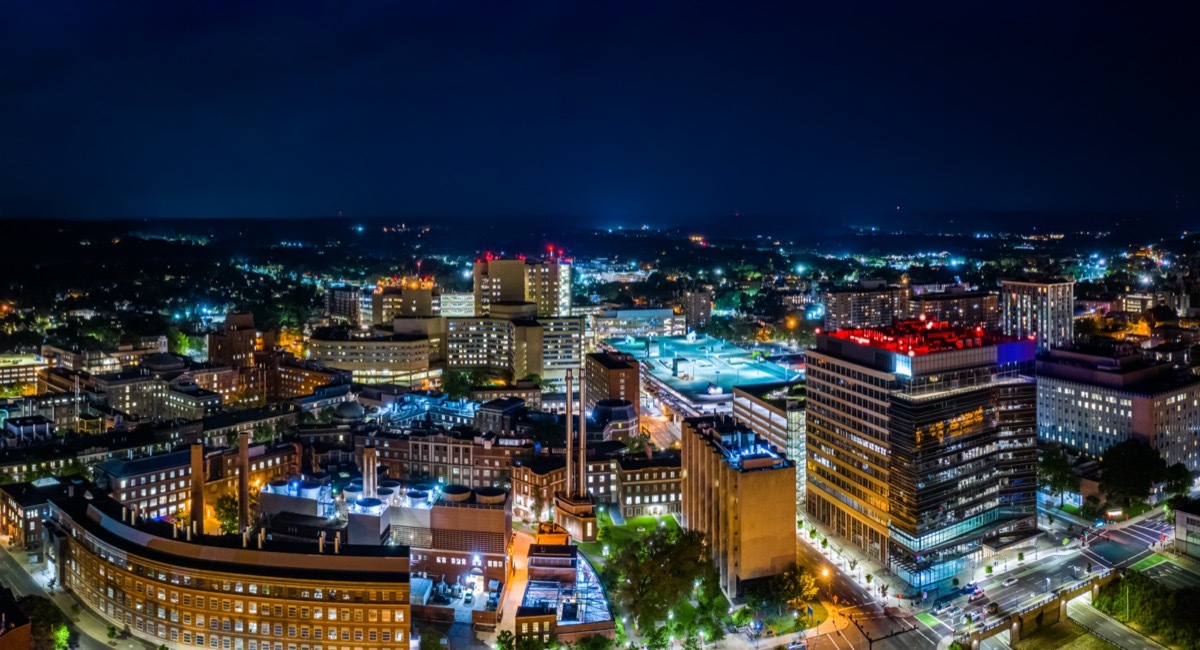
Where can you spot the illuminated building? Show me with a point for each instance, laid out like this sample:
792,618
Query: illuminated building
373,357
344,305
958,308
96,361
922,445
458,304
697,308
776,412
23,509
611,376
21,369
138,393
513,339
161,486
871,304
408,298
737,491
1091,398
1043,310
547,284
235,346
564,598
171,586
522,390
647,486
444,457
638,323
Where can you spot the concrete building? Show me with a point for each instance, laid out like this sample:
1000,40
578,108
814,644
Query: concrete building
344,305
1090,398
278,591
922,445
1187,529
372,356
776,412
408,298
871,304
24,507
611,375
458,304
1039,309
736,490
547,284
958,307
467,458
638,323
21,369
697,308
648,486
522,390
513,340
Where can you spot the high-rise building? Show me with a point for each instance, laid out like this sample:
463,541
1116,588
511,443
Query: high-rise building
1040,309
458,304
871,304
410,298
513,339
344,305
735,488
776,411
922,445
959,308
546,284
697,308
1090,398
611,376
372,357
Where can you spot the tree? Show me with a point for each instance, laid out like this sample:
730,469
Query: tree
112,631
1178,480
226,511
1054,472
456,383
1130,470
537,381
506,641
656,575
594,642
883,589
792,587
869,578
48,622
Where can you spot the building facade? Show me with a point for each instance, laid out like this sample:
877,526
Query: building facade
736,490
611,375
776,411
169,587
547,284
872,304
922,445
959,308
1042,310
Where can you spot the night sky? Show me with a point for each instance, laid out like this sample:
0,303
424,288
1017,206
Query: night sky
606,112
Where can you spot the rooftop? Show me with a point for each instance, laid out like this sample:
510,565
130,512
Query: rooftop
28,494
919,337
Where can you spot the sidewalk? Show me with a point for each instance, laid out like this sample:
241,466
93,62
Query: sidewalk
841,553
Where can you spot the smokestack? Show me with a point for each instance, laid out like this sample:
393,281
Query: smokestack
582,432
570,443
197,488
370,469
244,481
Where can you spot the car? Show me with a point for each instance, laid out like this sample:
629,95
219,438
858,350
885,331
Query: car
1009,582
975,596
469,598
796,645
938,610
974,615
954,611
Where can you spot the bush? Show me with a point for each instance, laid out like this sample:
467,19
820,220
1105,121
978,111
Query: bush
1021,557
988,569
1159,611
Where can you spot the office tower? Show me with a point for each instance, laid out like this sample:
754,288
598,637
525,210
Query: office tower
1043,310
697,308
546,284
922,445
1092,397
611,376
958,307
410,298
736,489
871,304
514,339
344,305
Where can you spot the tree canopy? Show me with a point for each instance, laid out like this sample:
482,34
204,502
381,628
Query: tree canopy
1054,471
653,576
1131,468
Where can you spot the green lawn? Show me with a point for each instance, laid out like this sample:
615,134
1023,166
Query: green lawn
785,623
1146,563
1064,636
1066,507
634,530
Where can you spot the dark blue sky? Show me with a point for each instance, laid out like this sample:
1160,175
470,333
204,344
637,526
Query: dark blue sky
609,112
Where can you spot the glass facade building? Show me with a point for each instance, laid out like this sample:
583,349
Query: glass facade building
922,445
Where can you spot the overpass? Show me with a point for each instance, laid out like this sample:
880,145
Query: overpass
1046,610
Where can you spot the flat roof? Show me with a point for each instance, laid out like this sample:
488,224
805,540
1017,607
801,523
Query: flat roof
153,540
705,363
918,337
